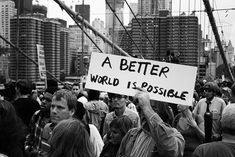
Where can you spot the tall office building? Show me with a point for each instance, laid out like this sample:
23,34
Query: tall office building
99,26
75,49
183,38
4,66
31,32
34,30
84,11
111,21
25,6
52,46
153,7
64,56
175,35
64,48
7,10
134,8
124,41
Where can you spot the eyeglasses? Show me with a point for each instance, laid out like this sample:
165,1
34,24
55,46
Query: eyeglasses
113,96
207,90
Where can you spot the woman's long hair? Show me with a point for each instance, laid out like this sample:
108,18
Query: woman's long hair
70,139
12,130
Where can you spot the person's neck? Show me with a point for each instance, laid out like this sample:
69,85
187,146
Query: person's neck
210,99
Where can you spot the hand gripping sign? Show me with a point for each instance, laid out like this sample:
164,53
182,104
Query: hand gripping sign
166,82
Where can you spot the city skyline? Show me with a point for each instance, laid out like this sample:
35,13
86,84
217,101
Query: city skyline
226,19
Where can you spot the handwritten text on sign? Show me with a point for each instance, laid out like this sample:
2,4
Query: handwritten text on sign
164,81
41,61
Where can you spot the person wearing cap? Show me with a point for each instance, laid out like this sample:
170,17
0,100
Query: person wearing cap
119,105
226,147
39,120
213,104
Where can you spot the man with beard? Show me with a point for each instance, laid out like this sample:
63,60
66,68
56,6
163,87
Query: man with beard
154,138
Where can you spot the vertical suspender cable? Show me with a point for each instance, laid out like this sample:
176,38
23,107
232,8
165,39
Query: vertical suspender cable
17,39
217,37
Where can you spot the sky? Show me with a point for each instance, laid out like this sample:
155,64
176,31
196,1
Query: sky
225,20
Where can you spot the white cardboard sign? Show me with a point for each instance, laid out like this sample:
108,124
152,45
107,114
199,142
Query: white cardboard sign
41,61
163,81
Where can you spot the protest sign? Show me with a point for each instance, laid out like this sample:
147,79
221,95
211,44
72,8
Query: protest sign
41,61
166,82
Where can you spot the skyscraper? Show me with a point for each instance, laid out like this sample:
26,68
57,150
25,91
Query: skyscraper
152,7
75,49
64,57
34,30
31,31
99,26
110,20
134,8
84,11
52,46
7,10
24,5
177,35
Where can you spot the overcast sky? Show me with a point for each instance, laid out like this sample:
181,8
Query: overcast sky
226,19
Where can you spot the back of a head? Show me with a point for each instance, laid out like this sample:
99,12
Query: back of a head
11,127
93,94
123,123
7,112
51,90
24,87
80,111
233,89
228,119
70,138
52,83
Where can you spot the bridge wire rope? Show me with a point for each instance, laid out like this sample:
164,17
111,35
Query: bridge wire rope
153,46
122,24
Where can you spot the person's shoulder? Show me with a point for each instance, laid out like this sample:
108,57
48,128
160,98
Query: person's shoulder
201,101
134,131
92,127
210,146
211,149
47,126
130,111
221,100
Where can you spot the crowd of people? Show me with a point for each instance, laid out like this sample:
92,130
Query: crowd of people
78,122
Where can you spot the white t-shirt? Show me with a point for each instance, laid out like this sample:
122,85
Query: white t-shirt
96,140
